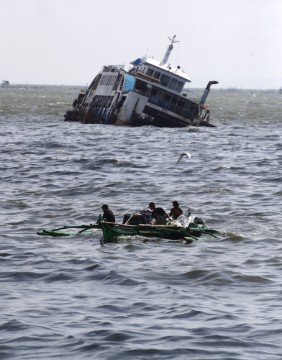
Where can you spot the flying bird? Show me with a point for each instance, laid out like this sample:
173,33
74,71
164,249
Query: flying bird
181,156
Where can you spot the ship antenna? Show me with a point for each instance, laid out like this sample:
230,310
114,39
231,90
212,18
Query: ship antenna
170,47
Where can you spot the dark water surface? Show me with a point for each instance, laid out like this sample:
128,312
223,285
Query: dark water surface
71,298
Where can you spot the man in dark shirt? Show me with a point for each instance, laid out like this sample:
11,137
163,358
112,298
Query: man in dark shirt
108,214
158,214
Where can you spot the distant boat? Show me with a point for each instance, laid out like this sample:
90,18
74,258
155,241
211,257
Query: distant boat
280,90
5,84
152,92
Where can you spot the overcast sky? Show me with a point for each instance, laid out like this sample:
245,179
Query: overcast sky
66,42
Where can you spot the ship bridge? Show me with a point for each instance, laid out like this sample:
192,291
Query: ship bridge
166,75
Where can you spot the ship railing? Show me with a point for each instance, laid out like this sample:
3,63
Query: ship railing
203,115
110,68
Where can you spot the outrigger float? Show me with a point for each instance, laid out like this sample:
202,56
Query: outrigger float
113,232
151,92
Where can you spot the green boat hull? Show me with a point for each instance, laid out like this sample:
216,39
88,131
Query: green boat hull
113,231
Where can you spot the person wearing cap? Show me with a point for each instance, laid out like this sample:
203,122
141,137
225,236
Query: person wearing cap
108,214
176,211
158,215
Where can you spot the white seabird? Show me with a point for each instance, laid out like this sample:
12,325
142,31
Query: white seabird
181,156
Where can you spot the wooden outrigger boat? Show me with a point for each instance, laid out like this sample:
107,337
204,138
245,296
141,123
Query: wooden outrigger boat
113,231
188,231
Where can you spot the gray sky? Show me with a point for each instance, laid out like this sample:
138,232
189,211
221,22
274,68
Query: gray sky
66,42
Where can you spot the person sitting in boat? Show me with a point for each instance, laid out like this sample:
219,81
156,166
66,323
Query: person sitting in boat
136,219
158,215
176,211
108,214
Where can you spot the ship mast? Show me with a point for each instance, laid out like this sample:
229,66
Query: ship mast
170,47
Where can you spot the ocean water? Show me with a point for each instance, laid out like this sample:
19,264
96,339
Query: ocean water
73,298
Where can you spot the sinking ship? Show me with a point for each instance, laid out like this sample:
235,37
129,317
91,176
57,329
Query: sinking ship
151,92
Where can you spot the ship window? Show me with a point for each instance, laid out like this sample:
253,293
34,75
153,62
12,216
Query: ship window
173,84
179,86
150,72
165,80
157,75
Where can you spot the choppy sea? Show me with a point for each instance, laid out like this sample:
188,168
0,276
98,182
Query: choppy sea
73,298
